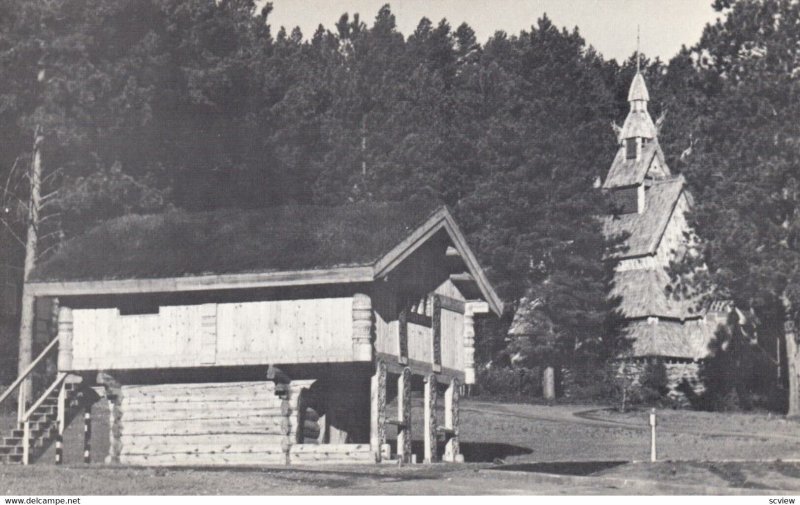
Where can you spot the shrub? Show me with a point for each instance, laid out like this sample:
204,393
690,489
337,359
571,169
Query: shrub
506,383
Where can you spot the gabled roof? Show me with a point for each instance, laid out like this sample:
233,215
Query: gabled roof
624,172
640,234
643,294
671,339
291,245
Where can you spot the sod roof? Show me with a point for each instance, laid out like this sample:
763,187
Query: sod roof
178,243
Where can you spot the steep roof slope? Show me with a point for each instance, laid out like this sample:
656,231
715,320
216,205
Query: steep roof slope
178,243
640,234
625,172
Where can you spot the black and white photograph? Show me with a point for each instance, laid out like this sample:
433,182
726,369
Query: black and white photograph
254,248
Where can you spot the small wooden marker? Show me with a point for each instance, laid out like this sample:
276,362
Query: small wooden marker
87,436
653,435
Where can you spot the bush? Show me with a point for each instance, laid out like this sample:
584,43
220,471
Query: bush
521,384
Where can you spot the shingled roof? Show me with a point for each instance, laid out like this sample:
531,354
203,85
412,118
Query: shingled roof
671,339
625,172
643,294
641,233
178,243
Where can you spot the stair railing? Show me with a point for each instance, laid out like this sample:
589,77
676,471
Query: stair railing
26,417
21,399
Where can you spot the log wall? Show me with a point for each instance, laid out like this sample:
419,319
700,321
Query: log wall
203,424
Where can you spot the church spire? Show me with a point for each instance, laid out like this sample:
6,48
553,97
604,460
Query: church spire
638,125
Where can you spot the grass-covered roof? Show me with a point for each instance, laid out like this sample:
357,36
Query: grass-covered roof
178,243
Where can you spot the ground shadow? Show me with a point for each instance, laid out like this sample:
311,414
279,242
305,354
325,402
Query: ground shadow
563,468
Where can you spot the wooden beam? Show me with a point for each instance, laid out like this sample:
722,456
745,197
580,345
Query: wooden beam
203,282
421,368
472,263
451,304
429,424
411,243
419,319
404,416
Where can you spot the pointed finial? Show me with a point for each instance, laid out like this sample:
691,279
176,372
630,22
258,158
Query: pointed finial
638,30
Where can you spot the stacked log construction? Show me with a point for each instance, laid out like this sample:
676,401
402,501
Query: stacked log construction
203,424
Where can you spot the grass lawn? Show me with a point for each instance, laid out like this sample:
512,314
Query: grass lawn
535,439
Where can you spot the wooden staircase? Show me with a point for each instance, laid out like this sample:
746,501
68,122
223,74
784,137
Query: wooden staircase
43,428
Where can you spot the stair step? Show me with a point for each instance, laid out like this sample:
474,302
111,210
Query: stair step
10,449
11,458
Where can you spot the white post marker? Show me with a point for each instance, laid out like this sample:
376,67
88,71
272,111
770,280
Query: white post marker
652,435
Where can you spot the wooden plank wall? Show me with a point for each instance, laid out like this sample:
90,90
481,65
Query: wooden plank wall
202,424
281,331
386,305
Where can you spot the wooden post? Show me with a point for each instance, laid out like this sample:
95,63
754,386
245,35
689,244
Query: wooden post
87,433
429,411
26,442
28,307
452,449
62,420
469,346
362,327
22,400
114,396
653,435
377,428
64,339
404,415
549,384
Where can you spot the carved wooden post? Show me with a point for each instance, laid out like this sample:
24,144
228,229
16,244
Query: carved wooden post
452,449
87,432
362,327
404,415
61,407
114,396
429,425
64,339
469,346
377,429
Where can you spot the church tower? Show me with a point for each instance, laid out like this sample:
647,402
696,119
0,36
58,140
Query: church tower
639,159
648,221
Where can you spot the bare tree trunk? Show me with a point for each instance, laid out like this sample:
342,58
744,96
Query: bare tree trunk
27,315
792,358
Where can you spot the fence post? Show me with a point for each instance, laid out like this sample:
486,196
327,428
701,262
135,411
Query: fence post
652,435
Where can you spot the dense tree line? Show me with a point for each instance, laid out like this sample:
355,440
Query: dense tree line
153,104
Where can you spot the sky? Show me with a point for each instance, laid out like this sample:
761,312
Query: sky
608,25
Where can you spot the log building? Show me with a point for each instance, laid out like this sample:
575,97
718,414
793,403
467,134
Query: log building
270,336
